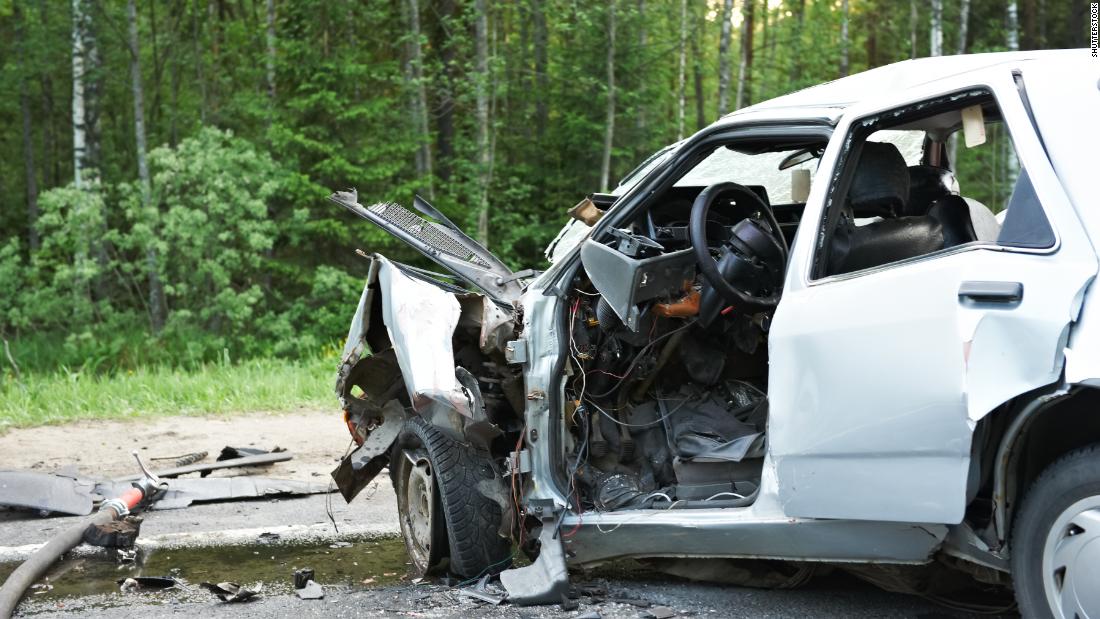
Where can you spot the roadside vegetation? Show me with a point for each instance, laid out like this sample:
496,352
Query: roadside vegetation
275,385
164,164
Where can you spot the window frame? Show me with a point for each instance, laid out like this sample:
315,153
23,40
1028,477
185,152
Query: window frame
862,127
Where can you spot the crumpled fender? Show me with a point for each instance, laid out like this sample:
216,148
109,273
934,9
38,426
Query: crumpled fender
415,354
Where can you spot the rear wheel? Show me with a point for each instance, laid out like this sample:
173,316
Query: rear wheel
1056,540
443,508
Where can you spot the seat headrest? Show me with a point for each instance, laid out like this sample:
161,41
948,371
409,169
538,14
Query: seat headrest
928,184
881,183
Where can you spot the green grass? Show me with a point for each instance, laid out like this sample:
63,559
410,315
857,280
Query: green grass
253,385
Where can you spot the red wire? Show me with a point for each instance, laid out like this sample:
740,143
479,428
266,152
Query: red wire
580,517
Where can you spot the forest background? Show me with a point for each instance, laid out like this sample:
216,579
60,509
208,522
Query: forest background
165,242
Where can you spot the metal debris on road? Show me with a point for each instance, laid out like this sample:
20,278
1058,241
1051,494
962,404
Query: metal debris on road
312,591
206,467
232,592
185,459
480,591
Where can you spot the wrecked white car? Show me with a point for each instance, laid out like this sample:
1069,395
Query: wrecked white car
794,336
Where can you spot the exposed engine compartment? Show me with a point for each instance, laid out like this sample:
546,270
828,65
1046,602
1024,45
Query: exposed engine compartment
666,403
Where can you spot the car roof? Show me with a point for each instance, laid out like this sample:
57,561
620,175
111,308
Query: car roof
829,99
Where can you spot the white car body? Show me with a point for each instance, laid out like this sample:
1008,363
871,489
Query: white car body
877,380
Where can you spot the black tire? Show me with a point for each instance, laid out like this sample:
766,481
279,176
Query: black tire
472,519
1070,479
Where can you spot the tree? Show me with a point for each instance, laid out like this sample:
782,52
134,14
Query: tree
542,110
681,81
157,311
80,60
844,37
609,127
724,57
912,28
744,76
1012,26
28,138
796,60
269,58
697,72
964,24
935,32
418,99
481,34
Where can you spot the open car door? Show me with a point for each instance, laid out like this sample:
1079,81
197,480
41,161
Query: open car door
443,242
880,374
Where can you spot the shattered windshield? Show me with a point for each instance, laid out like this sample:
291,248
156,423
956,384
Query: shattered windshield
726,165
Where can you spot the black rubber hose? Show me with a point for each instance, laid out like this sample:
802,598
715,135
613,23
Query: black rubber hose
34,567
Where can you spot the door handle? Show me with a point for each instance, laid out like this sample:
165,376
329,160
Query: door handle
1007,293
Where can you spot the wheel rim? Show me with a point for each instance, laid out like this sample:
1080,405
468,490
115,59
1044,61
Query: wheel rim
1071,556
419,513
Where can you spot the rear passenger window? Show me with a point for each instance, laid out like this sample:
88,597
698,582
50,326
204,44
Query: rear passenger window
928,178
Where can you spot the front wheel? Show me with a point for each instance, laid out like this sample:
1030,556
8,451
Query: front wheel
1056,540
442,488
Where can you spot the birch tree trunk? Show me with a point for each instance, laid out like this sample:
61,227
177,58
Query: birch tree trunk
724,58
78,57
156,290
481,36
609,127
744,76
964,26
935,32
28,135
1012,26
844,37
682,76
418,101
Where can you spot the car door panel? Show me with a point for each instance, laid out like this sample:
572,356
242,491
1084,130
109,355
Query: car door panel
877,378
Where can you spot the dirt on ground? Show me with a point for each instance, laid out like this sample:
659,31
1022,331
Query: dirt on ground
317,439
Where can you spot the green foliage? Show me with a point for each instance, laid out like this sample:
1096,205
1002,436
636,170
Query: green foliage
254,261
213,388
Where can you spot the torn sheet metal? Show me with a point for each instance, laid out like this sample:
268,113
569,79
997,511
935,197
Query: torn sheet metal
363,465
546,581
184,492
496,325
206,467
47,492
421,320
232,592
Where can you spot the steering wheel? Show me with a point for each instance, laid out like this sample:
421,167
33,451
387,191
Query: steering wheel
755,254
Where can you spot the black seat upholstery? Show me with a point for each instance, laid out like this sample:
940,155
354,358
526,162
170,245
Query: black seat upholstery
928,184
882,183
953,213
